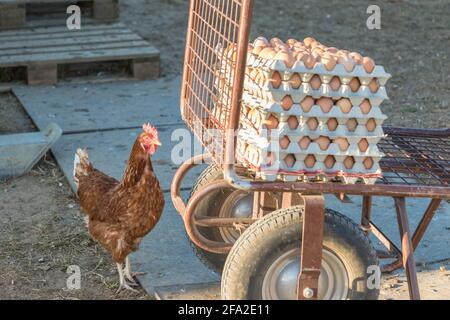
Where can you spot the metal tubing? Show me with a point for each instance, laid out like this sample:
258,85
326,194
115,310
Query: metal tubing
311,247
366,213
177,201
190,224
407,249
424,222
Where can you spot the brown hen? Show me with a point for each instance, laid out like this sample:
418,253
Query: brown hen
120,214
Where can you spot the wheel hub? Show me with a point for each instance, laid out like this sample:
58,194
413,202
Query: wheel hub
239,204
280,281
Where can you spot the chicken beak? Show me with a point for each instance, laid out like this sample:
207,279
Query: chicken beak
157,143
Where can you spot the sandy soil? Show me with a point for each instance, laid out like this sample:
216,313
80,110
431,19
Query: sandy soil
41,229
412,43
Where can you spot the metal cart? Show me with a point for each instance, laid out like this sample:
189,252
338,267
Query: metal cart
416,165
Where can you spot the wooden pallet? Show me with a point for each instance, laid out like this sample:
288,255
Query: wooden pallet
32,13
42,50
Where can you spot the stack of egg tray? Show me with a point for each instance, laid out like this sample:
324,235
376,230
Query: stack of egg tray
258,147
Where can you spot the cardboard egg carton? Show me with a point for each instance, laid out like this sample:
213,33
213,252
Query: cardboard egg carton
255,159
268,66
350,147
266,91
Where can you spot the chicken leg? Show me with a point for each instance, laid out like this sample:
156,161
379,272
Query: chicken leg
130,275
123,284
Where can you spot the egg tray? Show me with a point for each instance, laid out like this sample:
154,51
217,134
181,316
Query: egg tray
269,93
273,145
268,66
267,106
299,171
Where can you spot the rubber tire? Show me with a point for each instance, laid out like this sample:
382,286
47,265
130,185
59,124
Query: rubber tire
213,261
244,269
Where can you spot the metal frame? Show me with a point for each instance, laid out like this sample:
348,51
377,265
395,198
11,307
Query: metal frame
406,155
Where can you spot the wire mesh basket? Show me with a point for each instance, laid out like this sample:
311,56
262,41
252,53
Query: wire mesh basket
217,31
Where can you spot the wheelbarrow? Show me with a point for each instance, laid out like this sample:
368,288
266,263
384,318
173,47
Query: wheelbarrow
276,240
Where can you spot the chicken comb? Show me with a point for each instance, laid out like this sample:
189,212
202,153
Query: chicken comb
149,129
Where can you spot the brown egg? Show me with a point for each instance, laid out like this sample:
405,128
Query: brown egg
368,64
286,57
347,62
272,122
332,124
349,162
304,143
342,143
260,42
295,81
284,142
310,161
292,122
335,83
363,145
374,85
257,50
309,61
365,106
356,57
291,42
282,47
308,40
287,102
329,61
289,160
276,79
331,50
307,103
329,162
352,123
323,142
312,123
325,104
299,55
315,82
371,125
275,41
354,84
368,163
344,104
267,53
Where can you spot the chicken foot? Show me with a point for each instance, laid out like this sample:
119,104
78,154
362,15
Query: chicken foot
130,275
123,284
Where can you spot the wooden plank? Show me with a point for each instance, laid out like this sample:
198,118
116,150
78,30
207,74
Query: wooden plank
50,43
61,29
11,16
49,35
106,10
145,68
42,74
91,46
82,56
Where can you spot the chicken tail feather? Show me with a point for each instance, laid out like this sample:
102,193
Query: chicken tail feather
81,164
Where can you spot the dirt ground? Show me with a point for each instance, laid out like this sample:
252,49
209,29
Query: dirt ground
41,229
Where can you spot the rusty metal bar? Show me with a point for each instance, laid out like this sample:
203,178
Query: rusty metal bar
366,213
190,219
424,222
311,247
418,233
222,222
407,249
177,201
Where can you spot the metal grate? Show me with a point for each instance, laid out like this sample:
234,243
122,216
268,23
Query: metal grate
416,157
210,56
